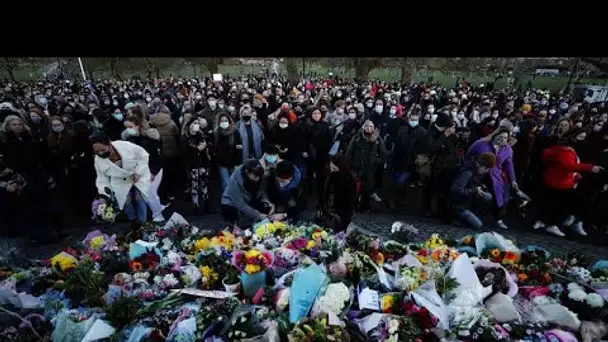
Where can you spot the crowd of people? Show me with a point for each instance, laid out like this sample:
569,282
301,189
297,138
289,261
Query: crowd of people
269,144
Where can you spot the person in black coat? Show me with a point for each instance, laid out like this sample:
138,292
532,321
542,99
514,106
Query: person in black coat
227,147
286,190
339,198
282,135
468,194
151,141
197,149
318,140
80,178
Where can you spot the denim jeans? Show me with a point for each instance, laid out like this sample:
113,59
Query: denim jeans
135,207
401,177
469,219
225,176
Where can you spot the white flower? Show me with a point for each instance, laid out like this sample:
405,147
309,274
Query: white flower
194,230
474,259
396,227
248,233
158,279
541,300
594,300
169,280
166,244
574,286
335,297
393,326
577,295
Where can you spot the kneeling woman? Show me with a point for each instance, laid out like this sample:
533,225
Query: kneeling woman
338,201
122,167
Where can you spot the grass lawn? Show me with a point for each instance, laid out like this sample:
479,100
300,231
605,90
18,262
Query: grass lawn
387,74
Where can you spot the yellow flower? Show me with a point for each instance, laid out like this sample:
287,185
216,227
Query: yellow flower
434,242
387,303
311,244
495,252
96,242
202,244
380,259
64,261
209,276
321,234
260,231
252,253
270,227
251,268
280,225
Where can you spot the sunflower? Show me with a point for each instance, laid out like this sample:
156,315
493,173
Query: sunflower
547,278
522,277
467,240
310,244
380,259
495,252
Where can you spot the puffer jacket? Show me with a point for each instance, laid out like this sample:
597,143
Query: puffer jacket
169,134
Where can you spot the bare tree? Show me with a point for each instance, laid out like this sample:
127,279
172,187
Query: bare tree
10,65
363,66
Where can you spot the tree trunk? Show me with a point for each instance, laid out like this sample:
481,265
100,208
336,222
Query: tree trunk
11,74
157,71
194,70
406,72
91,74
362,71
114,67
292,69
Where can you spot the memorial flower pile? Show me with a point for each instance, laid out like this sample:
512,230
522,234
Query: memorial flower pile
282,282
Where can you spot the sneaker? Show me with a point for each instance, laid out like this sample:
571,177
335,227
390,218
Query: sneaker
569,220
375,198
538,225
159,219
502,225
578,228
554,230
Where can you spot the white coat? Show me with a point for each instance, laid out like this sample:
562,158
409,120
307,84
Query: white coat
119,179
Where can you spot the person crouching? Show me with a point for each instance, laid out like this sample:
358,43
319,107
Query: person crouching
287,191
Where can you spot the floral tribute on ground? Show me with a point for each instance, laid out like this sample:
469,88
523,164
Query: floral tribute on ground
285,282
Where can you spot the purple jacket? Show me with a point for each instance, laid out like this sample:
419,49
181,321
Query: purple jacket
504,160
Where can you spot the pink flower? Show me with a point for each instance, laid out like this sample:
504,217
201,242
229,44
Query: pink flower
299,243
147,295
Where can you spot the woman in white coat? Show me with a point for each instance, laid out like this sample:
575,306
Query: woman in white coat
123,168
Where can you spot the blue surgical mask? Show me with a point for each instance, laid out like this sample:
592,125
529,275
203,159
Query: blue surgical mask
131,131
413,123
118,116
283,183
271,159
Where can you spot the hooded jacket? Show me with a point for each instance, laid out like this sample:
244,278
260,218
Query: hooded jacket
169,134
150,141
238,197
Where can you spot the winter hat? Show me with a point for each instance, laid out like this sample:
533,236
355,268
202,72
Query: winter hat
444,121
7,106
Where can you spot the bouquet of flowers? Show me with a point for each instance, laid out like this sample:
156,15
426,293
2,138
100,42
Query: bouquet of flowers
336,298
105,210
588,305
147,261
409,278
501,257
398,329
252,261
317,330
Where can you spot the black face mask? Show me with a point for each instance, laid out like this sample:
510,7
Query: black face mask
246,118
104,155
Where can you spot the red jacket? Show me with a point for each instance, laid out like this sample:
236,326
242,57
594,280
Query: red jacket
561,167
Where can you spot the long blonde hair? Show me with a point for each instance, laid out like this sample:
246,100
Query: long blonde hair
7,121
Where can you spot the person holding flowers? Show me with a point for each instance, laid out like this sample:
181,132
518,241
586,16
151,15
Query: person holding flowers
287,191
122,169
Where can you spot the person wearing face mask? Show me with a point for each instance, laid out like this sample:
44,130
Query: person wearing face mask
59,144
562,172
269,160
281,135
498,184
523,151
350,127
149,139
467,190
251,133
122,168
167,100
211,110
197,162
171,151
110,125
245,195
366,152
38,125
316,141
441,147
227,147
429,117
406,139
287,191
339,198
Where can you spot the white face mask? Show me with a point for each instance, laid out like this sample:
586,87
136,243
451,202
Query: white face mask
597,128
552,111
433,117
369,104
454,113
431,110
212,104
195,128
516,129
378,109
475,112
283,125
224,125
393,111
198,97
352,116
460,116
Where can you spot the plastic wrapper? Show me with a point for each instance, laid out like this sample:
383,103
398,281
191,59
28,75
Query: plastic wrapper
485,263
306,285
426,296
10,296
175,220
593,331
252,282
91,329
138,333
271,334
241,311
560,335
184,331
332,317
493,240
502,308
192,273
281,300
465,308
